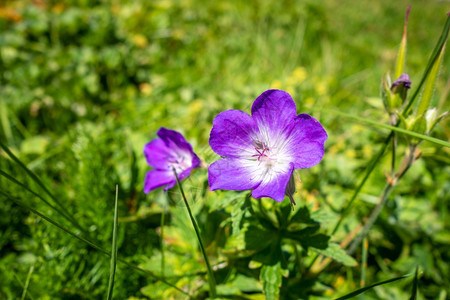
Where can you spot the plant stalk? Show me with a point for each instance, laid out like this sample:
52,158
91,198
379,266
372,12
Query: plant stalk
211,279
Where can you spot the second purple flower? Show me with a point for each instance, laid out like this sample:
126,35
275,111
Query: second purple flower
261,151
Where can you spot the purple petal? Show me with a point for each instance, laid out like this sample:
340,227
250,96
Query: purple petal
306,142
157,154
233,133
273,111
234,174
176,141
274,183
402,80
156,178
171,148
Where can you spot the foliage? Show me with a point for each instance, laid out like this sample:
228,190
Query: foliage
85,84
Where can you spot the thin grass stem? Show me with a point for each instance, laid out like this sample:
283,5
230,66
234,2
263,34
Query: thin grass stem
415,285
162,243
27,282
61,212
362,290
211,279
434,56
39,182
364,264
112,268
92,244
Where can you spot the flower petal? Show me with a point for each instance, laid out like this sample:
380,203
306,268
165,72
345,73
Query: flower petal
273,111
274,183
171,148
156,178
174,139
157,153
233,133
234,174
305,142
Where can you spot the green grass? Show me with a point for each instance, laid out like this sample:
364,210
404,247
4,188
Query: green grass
85,84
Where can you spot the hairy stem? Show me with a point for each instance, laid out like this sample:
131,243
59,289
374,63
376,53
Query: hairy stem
391,183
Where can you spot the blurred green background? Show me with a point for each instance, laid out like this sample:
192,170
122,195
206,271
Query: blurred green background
85,84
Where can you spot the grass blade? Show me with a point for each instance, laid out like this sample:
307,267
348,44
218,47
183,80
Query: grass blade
112,268
39,182
29,172
430,84
211,279
62,213
402,49
91,244
393,128
360,291
27,282
415,284
365,249
434,56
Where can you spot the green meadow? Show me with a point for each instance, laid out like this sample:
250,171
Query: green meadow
85,84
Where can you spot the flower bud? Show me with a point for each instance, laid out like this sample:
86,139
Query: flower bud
401,86
290,190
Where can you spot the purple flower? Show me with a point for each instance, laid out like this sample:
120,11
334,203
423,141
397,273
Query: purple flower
169,152
402,82
261,151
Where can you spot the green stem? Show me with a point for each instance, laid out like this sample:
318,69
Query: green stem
211,279
346,210
27,282
162,243
364,264
387,190
392,128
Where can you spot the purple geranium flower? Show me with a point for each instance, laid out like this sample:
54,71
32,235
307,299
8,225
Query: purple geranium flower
169,152
261,151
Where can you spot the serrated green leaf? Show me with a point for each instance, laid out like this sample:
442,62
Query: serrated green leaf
334,251
271,278
258,239
318,241
302,216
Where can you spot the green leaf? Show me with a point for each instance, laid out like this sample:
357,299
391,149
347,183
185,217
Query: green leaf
428,89
402,49
302,216
334,251
237,214
360,291
271,278
239,284
258,239
434,56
